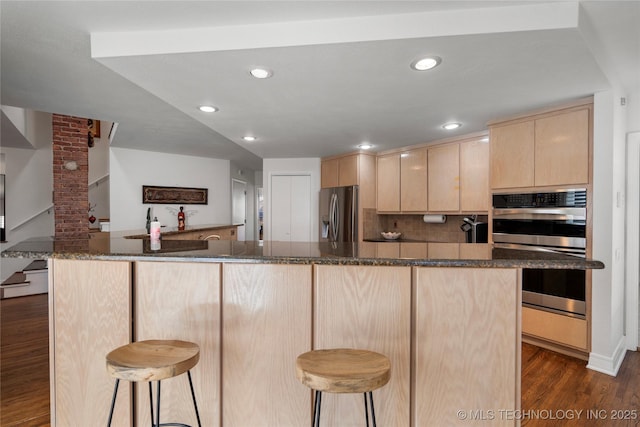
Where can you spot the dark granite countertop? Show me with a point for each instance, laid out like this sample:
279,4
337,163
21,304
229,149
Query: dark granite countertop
113,246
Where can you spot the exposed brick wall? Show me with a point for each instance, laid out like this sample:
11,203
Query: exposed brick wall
70,187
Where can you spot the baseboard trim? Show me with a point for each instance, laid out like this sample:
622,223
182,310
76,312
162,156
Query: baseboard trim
608,364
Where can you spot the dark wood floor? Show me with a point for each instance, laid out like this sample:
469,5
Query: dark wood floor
557,390
24,361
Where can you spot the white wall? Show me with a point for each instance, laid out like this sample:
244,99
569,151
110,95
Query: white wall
99,174
300,166
28,191
131,169
608,345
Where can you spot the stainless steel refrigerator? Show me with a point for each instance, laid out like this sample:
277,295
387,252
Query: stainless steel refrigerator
339,214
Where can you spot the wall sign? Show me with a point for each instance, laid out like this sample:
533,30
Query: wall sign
174,195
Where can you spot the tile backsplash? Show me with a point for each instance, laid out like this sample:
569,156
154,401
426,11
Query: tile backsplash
414,228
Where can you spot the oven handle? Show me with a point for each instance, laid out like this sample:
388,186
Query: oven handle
564,251
541,213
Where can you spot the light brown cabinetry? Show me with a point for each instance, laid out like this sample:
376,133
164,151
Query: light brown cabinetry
449,177
181,300
444,178
547,149
339,172
266,325
388,183
474,175
413,180
453,308
225,233
90,306
366,307
402,181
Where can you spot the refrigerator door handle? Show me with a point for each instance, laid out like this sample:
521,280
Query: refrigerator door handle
334,219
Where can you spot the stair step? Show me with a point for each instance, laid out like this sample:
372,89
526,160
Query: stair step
18,278
38,264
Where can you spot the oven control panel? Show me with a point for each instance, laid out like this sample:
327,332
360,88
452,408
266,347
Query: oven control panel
565,198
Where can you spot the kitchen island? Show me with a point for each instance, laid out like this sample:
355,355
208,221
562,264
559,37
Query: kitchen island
450,326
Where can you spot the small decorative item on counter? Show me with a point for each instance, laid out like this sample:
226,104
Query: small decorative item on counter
154,234
181,219
92,217
391,235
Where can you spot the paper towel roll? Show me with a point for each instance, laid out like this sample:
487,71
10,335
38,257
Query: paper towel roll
435,219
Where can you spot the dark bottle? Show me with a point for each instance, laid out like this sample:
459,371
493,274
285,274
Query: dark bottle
181,219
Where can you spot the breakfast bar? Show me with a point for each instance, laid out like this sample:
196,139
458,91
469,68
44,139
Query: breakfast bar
448,320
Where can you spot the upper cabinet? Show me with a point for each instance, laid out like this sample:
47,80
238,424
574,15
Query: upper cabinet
388,183
474,175
340,172
413,180
546,149
444,178
402,181
449,177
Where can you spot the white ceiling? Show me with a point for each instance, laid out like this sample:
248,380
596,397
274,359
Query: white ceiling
341,68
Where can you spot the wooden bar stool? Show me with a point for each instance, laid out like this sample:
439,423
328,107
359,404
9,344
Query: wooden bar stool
343,371
153,360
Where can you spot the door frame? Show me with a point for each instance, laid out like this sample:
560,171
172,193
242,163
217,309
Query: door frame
632,250
235,181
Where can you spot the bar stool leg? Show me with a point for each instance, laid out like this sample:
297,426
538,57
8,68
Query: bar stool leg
373,412
158,406
366,409
193,395
113,402
151,405
316,408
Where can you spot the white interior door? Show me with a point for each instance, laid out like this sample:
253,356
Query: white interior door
290,208
239,206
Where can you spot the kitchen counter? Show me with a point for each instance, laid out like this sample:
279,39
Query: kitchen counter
173,231
119,246
241,301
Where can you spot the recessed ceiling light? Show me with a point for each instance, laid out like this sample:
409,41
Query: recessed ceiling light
451,126
261,73
249,138
208,109
365,146
427,63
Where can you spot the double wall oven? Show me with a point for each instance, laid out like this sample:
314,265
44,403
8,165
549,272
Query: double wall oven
548,223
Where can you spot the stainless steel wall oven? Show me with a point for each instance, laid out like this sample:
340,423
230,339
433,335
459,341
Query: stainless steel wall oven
552,222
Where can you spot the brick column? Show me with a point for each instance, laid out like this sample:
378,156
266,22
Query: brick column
70,177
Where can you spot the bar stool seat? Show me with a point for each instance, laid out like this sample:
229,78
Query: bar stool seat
343,370
153,360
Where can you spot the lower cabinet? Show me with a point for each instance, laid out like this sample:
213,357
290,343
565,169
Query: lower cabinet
181,300
266,324
366,307
90,315
452,336
466,345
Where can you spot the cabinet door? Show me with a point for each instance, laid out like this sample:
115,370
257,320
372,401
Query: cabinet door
91,315
388,183
474,176
266,325
181,300
366,307
562,149
413,180
512,154
457,367
329,173
348,170
444,178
